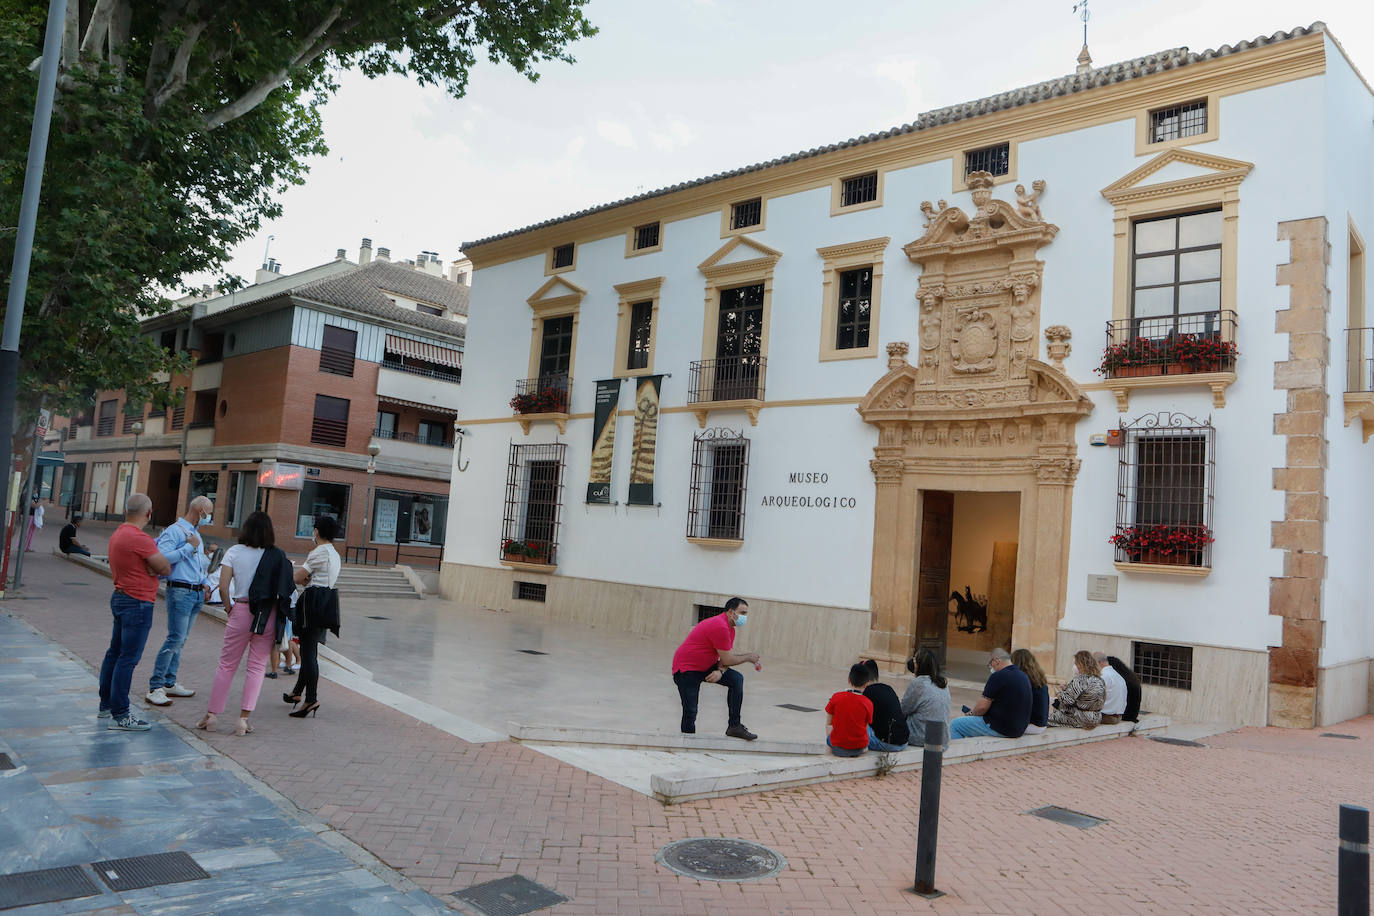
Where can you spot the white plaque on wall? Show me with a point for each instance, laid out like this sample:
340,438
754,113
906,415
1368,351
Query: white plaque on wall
1101,588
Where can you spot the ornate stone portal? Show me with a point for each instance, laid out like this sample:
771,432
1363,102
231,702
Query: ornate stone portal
975,410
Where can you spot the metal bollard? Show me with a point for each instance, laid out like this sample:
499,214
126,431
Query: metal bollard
1352,862
928,823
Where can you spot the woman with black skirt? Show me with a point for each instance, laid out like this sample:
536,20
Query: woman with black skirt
317,610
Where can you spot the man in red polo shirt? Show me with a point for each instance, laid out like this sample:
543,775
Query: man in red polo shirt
135,565
707,654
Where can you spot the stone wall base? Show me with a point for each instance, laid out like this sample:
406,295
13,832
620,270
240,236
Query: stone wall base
777,629
1345,691
1292,707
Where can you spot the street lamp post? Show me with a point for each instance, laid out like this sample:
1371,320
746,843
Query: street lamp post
137,429
373,450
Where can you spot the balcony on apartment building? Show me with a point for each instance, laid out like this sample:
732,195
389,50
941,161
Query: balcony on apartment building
433,447
420,373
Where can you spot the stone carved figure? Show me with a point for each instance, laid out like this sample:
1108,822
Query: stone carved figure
1027,205
1057,337
931,212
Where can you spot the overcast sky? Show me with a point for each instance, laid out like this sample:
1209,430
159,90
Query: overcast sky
672,90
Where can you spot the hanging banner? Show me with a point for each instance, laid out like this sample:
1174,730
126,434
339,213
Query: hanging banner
603,441
645,441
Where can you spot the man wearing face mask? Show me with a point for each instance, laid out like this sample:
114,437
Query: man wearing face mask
180,544
707,654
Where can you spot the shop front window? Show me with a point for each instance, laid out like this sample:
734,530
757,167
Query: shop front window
319,498
408,518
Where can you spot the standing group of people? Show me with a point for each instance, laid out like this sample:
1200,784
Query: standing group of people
261,591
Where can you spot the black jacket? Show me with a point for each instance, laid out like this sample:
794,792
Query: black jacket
1132,713
271,591
317,608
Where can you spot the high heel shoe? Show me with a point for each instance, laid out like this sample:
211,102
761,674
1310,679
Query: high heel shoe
207,724
309,709
292,698
244,727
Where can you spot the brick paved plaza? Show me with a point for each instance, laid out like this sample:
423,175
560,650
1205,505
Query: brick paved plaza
1245,824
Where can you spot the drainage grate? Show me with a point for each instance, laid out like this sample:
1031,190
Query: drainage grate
148,871
46,885
1069,818
6,762
1338,735
510,896
713,859
1180,742
795,708
375,617
531,651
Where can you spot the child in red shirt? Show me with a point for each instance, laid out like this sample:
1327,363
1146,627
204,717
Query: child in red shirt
848,715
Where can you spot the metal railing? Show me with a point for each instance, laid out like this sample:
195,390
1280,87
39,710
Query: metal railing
1170,345
366,556
731,378
447,375
545,394
1359,359
411,437
411,553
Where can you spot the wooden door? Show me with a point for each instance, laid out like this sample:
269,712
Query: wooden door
932,592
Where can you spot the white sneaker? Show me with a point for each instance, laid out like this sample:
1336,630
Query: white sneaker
176,690
157,697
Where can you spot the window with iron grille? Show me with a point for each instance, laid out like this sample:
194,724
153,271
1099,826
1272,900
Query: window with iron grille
563,256
337,350
641,324
856,306
1186,120
1165,478
330,424
720,472
746,213
106,424
859,190
1175,271
531,591
993,159
646,236
1162,664
534,502
707,610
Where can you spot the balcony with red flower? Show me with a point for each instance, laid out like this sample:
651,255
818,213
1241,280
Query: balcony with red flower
542,398
1189,349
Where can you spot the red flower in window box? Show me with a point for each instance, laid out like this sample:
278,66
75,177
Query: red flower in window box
1175,545
544,400
1202,353
1130,357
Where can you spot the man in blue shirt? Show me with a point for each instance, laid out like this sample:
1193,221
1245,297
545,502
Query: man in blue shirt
1003,711
180,544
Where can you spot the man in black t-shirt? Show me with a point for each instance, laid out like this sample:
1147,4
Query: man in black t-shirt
1003,711
66,540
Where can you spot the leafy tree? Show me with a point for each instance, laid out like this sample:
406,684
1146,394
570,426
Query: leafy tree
177,125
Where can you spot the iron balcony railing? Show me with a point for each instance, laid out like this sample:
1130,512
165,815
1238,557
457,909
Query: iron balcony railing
1359,359
545,394
731,378
1170,345
412,437
444,374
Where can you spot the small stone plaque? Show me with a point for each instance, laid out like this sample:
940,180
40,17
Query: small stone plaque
1102,588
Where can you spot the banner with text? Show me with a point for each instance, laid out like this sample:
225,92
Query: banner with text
603,441
645,441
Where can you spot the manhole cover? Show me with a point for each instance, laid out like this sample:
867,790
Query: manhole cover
6,763
722,859
1338,735
148,871
47,885
1179,742
509,896
531,651
375,617
1069,818
795,708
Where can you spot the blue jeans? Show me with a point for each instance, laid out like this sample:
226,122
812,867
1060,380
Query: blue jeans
971,727
689,688
182,606
843,751
132,621
874,744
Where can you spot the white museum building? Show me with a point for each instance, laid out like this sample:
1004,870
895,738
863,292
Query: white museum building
1083,365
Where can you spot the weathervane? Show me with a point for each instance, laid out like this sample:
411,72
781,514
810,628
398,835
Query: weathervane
1085,60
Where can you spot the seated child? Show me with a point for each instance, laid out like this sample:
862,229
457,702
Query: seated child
889,730
848,715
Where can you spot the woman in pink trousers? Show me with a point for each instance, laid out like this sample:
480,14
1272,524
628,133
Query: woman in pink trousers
255,581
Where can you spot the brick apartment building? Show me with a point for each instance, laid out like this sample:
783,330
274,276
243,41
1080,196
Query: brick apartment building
303,381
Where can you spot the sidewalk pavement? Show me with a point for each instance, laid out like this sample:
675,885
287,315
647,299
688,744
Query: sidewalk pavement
1245,824
80,793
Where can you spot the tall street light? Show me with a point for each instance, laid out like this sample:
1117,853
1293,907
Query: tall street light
137,428
373,450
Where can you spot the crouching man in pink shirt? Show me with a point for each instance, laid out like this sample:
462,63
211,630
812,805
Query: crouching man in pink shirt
707,654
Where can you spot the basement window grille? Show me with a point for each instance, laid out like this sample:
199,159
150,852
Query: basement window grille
1165,479
707,610
720,472
746,213
646,236
534,502
859,190
531,591
1162,664
1176,121
563,256
995,160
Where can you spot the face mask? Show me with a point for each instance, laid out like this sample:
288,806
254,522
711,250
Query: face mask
741,620
1075,669
204,520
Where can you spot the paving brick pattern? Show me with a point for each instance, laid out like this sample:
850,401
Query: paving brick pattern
1244,825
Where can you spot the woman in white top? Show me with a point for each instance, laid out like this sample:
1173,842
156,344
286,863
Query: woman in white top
35,522
317,610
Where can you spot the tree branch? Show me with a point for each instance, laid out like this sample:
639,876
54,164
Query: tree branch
97,28
172,14
119,36
71,35
176,75
309,50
